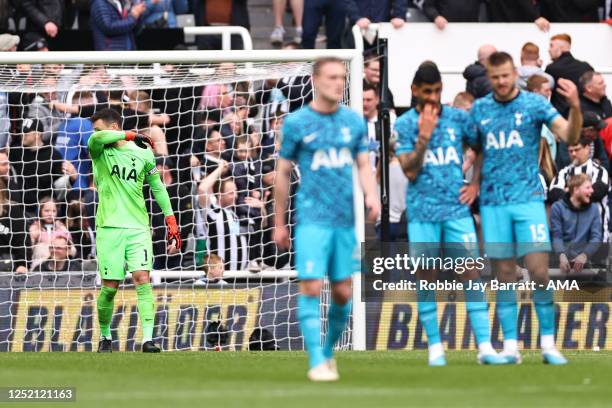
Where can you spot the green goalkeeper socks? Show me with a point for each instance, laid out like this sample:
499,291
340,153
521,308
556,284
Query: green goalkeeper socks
146,310
105,304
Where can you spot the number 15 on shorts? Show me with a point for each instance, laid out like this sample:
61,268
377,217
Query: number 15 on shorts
538,233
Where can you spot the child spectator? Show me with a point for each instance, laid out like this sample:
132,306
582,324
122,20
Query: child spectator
42,231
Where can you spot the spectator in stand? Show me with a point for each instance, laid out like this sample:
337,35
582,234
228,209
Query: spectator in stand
42,231
516,11
39,166
278,9
181,200
43,16
605,133
371,101
81,233
583,164
8,43
571,11
593,94
59,259
334,12
441,12
77,10
398,183
13,235
250,208
531,64
476,74
160,14
71,143
463,101
207,161
114,24
34,42
365,12
371,73
220,12
546,163
216,219
213,269
541,85
564,65
592,124
10,179
269,139
575,225
140,102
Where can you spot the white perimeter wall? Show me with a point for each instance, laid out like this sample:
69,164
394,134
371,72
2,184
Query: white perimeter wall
456,47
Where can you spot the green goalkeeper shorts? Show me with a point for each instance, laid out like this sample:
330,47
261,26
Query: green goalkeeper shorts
123,249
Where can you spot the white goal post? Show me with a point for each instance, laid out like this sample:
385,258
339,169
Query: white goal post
147,66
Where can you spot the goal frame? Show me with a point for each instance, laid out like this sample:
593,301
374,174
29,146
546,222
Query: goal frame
353,57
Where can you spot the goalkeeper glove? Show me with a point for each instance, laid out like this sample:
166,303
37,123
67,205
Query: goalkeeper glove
140,140
174,234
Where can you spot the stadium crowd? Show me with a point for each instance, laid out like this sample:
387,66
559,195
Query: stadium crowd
115,24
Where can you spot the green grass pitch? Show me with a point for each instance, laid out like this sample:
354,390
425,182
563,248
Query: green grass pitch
277,379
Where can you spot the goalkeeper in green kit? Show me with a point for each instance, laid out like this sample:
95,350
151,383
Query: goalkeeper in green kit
121,163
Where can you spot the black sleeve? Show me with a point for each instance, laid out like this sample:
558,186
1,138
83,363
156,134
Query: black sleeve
87,111
600,186
530,10
430,10
19,236
56,166
34,14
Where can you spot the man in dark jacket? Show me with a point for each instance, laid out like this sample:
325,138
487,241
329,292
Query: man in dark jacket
476,74
43,16
564,65
441,12
38,166
516,11
571,11
113,25
575,225
593,94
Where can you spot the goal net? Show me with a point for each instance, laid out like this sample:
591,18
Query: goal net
216,122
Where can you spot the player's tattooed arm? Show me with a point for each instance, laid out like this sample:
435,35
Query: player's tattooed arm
569,130
412,162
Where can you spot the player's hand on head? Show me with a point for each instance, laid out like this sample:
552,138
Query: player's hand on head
373,206
281,236
569,91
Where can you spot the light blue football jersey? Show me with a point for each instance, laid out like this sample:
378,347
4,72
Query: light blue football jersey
434,195
509,134
324,146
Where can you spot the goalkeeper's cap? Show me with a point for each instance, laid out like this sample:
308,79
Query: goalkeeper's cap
32,125
8,41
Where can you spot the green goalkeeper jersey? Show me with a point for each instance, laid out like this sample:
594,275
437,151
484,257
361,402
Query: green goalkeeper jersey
119,174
